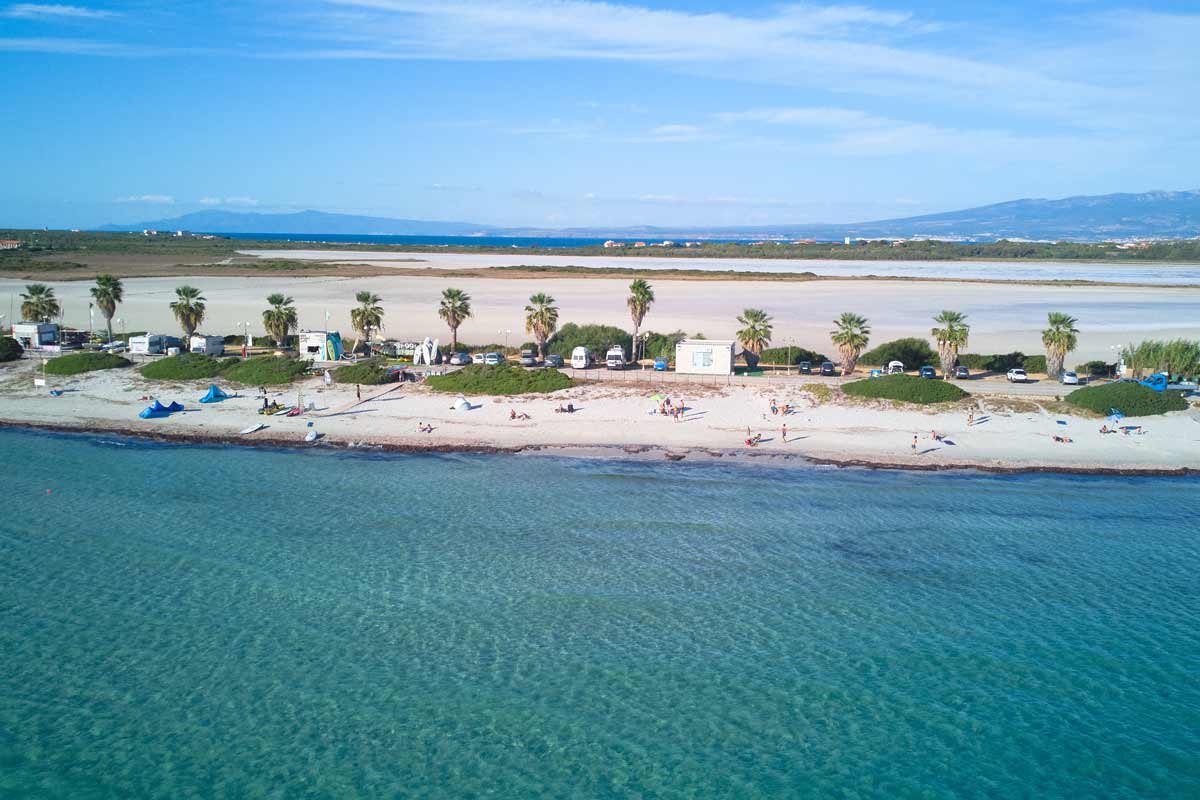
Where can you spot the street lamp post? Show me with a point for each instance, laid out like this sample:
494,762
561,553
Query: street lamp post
506,334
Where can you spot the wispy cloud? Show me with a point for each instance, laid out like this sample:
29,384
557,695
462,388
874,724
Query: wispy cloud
81,47
50,11
228,201
153,199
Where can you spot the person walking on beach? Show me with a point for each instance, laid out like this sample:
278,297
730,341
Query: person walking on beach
784,432
914,444
970,418
358,392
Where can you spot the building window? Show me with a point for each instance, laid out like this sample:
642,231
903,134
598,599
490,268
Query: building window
702,358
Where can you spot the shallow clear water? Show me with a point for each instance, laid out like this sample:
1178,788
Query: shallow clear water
225,623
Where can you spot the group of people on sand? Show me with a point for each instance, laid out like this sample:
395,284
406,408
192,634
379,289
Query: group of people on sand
1125,429
423,428
569,408
778,410
673,410
513,415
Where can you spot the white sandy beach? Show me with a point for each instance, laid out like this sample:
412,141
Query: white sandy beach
1003,317
1012,433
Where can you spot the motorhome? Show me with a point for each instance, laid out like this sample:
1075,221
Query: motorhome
208,345
615,357
153,344
581,358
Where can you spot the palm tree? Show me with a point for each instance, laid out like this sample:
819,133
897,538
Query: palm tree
541,319
107,292
950,337
641,296
1060,338
851,335
367,317
38,303
454,309
280,317
188,309
757,331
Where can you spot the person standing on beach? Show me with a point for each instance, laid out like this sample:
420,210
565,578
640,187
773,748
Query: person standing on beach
914,444
784,431
358,392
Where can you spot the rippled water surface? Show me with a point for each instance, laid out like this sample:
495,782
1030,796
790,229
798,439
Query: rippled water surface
225,623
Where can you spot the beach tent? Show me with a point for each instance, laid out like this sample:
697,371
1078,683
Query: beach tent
157,409
461,404
214,395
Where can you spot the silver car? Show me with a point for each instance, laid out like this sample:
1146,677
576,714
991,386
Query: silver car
493,359
1068,378
460,359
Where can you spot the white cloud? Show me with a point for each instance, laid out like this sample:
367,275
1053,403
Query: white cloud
155,199
228,201
49,11
677,133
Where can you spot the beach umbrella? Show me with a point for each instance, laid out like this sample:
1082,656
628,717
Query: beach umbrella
658,398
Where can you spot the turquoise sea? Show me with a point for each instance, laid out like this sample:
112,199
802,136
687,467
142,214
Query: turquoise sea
206,622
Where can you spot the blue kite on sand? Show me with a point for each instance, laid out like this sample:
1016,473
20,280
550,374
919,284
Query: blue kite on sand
215,395
157,409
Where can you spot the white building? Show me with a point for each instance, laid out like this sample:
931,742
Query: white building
208,345
704,357
35,335
321,345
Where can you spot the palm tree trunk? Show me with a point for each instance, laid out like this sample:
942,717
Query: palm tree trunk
453,338
634,353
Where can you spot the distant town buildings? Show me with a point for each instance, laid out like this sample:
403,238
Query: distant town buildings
611,243
9,244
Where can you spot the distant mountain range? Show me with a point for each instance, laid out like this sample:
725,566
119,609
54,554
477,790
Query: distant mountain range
1159,215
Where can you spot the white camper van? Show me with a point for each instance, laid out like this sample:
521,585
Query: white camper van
581,358
152,344
208,345
615,357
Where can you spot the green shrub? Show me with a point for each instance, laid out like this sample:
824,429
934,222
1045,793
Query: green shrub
662,344
368,372
905,388
1095,369
265,370
1131,399
779,355
76,363
185,367
996,362
501,379
912,352
1035,364
10,349
597,338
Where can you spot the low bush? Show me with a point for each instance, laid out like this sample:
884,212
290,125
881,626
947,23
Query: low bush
10,349
906,389
367,373
76,363
1035,364
265,370
1131,399
1095,369
780,355
502,379
185,367
912,352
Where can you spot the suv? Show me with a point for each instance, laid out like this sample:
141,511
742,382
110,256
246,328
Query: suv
460,359
806,368
928,372
827,368
553,361
529,358
493,359
1017,375
962,372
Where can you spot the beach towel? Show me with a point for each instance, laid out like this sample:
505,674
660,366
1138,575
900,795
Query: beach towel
214,395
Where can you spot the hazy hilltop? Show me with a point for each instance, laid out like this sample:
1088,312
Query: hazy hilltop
1159,215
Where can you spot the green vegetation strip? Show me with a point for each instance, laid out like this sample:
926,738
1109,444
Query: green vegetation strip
500,380
1131,399
367,373
186,367
77,363
906,389
265,371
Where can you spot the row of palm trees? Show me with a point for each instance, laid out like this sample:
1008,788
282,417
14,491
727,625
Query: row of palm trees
850,335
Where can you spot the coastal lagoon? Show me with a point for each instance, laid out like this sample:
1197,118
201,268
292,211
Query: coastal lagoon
183,620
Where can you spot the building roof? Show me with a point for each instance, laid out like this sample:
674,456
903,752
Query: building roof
719,342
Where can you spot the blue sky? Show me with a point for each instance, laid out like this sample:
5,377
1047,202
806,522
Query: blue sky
570,112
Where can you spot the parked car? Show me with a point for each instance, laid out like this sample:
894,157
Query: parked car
529,358
477,358
895,368
581,358
460,359
493,359
827,368
961,372
113,347
615,357
661,364
1068,378
806,368
1017,375
554,361
928,372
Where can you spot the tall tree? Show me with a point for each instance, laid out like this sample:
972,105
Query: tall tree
950,337
755,333
367,317
454,309
851,334
541,319
107,292
641,297
189,310
1059,338
38,303
280,317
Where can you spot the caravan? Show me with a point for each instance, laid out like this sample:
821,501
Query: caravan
152,344
615,357
208,345
581,358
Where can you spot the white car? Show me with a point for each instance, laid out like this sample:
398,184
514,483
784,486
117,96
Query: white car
1017,375
460,359
1068,378
493,359
477,358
